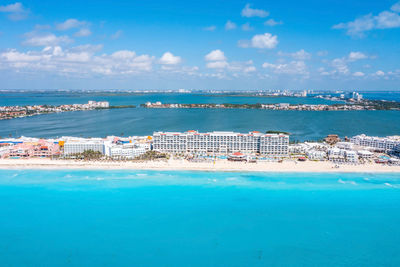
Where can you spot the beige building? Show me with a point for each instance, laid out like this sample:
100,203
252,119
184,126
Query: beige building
221,142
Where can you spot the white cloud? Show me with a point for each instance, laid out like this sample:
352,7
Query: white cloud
17,7
340,65
116,35
272,22
384,20
16,11
299,55
252,12
215,55
293,67
396,7
266,40
217,60
169,59
229,25
353,56
250,69
358,74
83,32
247,27
15,56
387,19
380,73
123,54
70,24
46,40
217,65
210,28
79,60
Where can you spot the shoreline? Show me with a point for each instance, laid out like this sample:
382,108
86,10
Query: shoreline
182,165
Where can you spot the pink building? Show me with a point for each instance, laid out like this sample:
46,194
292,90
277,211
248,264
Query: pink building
42,148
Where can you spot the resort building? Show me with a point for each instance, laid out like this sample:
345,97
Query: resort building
40,149
365,154
351,156
378,143
118,150
221,142
79,145
336,154
316,155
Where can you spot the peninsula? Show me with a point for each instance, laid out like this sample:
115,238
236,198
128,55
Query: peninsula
11,112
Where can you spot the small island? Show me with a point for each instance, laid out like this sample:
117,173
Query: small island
348,105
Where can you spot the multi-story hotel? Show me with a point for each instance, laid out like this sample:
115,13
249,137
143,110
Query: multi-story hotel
382,143
79,145
221,142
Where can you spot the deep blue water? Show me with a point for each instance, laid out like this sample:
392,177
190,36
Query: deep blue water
153,218
303,125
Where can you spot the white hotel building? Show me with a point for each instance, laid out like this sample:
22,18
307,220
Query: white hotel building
79,145
382,143
221,142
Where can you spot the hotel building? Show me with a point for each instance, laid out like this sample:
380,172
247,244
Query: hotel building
72,146
221,142
381,143
125,151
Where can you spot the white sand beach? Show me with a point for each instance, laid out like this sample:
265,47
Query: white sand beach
221,165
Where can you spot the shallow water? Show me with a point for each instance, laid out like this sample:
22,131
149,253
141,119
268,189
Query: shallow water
167,218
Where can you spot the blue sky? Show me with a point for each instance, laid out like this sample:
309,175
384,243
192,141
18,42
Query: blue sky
200,45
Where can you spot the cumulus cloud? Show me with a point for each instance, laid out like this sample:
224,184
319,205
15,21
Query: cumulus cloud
293,67
169,59
217,60
15,11
83,32
229,25
264,41
353,56
380,73
46,39
70,24
272,22
249,12
210,28
358,74
77,60
341,65
217,65
384,20
215,55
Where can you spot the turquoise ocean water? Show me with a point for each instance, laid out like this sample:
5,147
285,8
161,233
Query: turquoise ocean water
166,218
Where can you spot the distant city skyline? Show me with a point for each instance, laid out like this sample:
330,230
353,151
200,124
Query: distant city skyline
240,45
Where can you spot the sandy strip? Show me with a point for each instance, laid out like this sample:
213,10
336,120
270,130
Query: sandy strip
221,165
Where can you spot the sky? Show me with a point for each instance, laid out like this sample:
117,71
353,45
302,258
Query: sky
208,44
